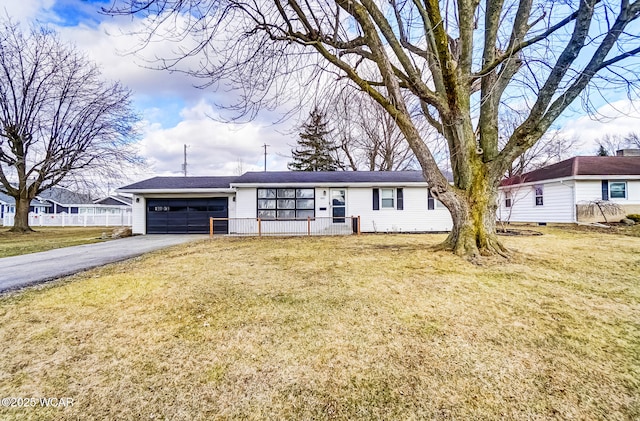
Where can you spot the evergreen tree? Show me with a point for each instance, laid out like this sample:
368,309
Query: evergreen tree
602,151
314,152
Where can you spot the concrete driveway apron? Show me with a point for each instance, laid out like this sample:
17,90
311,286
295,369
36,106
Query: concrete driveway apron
29,269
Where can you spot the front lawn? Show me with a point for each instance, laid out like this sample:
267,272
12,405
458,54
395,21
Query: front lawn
47,238
370,327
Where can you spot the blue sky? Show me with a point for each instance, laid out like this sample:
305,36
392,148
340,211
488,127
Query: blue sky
176,113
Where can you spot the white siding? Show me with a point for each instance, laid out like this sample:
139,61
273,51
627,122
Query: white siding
558,203
359,202
138,215
413,218
246,203
633,192
589,190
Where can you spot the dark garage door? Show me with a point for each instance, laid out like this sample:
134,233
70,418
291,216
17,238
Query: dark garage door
186,216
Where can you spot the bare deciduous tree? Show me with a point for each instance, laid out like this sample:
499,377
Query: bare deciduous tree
462,61
552,147
370,139
58,119
612,143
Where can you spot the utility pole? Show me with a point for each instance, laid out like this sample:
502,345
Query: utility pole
184,165
265,156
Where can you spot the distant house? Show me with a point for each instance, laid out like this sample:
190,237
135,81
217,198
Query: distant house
64,200
8,205
560,192
385,201
112,204
61,201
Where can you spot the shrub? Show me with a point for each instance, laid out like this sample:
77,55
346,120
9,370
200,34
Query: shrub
635,217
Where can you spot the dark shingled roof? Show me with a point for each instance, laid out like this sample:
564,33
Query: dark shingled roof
280,177
114,201
319,177
181,183
581,165
64,196
5,198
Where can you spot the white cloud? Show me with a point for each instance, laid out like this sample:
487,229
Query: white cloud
176,112
26,10
617,118
213,147
108,45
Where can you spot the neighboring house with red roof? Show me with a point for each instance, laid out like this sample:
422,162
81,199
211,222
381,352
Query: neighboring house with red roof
558,192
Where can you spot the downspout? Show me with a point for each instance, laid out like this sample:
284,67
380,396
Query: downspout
573,201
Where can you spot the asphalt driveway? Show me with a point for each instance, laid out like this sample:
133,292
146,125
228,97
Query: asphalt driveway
29,269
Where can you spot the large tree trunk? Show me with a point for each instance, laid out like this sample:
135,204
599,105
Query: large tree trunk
474,220
21,219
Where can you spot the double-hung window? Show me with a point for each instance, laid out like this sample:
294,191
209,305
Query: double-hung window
431,201
388,198
618,190
288,203
539,194
614,189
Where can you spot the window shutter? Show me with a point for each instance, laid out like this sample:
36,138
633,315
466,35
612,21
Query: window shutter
605,189
399,193
376,199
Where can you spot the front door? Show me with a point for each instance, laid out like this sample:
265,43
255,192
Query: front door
338,205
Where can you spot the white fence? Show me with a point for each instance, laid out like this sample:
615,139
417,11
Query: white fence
344,225
73,220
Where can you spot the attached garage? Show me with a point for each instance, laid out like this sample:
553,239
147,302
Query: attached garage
181,205
186,216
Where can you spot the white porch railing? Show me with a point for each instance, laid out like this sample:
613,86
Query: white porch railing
344,225
73,220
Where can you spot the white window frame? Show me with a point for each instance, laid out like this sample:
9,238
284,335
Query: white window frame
624,183
393,198
536,188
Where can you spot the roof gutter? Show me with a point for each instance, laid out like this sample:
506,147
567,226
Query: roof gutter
173,191
332,184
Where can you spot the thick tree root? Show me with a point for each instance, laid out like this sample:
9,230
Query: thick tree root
21,230
469,249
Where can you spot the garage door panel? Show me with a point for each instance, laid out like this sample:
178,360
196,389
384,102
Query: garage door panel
186,216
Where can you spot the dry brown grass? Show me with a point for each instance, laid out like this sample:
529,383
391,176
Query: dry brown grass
371,327
48,238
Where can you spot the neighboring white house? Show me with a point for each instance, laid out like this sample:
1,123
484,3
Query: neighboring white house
59,206
385,202
560,193
8,206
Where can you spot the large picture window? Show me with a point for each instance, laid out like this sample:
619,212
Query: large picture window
286,203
